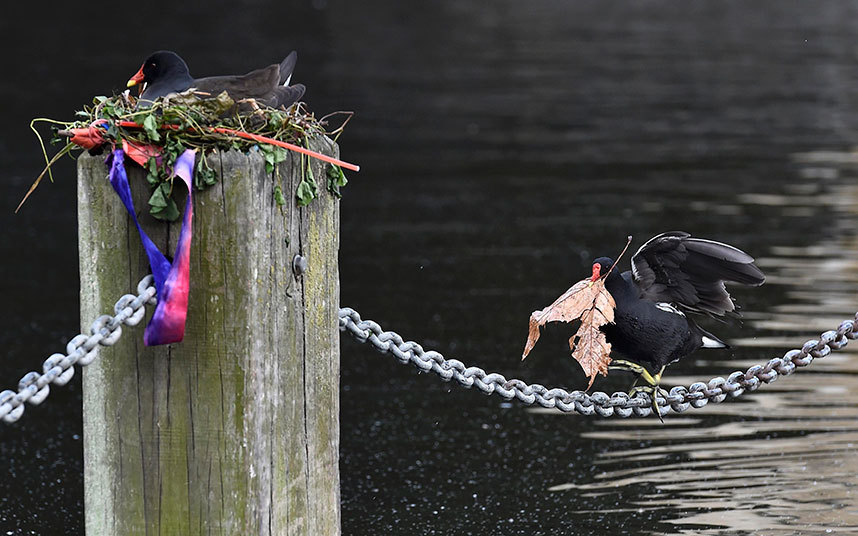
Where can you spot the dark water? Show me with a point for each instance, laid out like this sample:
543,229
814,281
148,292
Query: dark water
503,146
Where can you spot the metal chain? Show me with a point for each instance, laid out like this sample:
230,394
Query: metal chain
679,398
82,350
130,310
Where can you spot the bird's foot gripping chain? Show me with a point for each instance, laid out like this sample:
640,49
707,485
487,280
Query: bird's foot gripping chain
653,381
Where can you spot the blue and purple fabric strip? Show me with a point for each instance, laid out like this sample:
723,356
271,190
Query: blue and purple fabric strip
172,280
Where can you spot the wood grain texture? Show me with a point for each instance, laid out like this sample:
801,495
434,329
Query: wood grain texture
236,429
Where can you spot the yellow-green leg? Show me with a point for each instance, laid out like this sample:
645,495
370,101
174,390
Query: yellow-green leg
653,381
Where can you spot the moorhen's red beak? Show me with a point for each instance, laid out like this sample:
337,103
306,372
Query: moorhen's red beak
597,269
137,78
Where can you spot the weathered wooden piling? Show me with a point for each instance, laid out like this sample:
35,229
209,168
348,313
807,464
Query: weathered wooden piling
236,429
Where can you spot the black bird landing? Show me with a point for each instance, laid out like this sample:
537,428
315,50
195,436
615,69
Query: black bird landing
672,274
165,72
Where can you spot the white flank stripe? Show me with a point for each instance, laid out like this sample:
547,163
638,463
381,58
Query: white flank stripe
664,306
712,343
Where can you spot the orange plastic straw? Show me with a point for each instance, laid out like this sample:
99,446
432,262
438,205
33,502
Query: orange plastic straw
261,139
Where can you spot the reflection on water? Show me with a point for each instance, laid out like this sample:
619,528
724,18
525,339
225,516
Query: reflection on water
783,460
784,472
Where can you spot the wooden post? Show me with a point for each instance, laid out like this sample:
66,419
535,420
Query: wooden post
236,429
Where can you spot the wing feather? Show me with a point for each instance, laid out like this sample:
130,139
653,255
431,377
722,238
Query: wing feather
691,272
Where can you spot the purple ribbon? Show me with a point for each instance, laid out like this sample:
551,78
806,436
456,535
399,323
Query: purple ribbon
172,280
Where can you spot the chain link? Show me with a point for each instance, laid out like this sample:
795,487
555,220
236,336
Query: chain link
58,369
678,399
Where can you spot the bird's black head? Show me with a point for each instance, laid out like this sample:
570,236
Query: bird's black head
161,64
601,267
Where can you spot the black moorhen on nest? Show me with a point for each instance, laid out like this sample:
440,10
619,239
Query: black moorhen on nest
165,72
672,274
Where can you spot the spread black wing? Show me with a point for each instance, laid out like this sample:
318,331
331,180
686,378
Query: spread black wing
690,272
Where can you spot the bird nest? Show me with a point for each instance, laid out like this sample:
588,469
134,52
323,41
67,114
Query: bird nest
193,120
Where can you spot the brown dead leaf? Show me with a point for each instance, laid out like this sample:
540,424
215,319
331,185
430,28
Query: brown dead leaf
589,346
593,304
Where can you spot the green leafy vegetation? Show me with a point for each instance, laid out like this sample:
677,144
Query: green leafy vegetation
336,179
188,120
